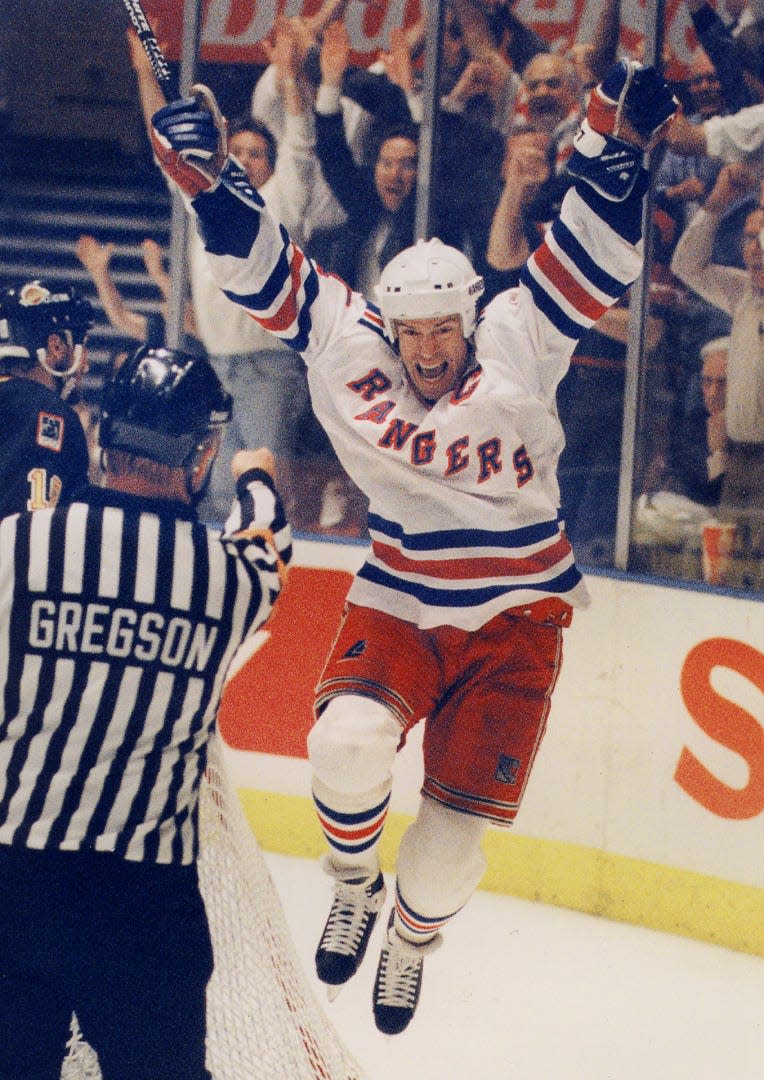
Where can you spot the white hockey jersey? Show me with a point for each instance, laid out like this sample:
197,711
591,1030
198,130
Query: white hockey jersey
464,502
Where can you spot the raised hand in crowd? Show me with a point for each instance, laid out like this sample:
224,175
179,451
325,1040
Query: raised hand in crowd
686,137
96,258
487,75
526,167
398,62
335,54
290,43
690,189
734,181
153,260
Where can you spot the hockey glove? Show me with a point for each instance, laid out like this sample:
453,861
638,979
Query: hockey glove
190,141
627,113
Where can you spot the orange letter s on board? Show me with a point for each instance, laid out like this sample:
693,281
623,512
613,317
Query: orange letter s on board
727,723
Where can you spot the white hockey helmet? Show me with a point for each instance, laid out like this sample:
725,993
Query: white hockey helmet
428,280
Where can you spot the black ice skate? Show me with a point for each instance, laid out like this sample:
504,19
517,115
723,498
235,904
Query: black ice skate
399,980
358,899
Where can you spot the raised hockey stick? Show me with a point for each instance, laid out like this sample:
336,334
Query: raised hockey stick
159,64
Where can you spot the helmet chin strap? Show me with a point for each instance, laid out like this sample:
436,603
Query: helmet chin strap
66,376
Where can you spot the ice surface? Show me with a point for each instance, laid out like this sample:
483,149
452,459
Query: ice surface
524,991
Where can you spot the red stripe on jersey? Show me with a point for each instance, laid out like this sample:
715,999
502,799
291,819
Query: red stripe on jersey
287,313
373,317
466,569
571,289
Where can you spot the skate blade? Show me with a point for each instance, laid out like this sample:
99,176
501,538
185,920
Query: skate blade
333,992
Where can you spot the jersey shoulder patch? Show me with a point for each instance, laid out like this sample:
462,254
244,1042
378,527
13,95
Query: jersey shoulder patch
50,431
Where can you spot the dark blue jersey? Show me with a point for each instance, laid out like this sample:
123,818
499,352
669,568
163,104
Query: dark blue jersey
43,449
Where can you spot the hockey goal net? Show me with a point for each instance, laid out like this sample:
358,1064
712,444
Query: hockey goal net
263,1019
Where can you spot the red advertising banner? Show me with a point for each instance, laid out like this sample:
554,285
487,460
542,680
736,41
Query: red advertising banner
268,704
232,30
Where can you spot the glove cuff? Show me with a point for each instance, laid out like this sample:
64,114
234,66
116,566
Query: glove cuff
608,165
603,113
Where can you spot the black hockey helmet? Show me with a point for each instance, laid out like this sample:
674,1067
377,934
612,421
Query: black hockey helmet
160,404
32,310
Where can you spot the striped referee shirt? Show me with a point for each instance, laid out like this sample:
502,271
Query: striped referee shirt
118,619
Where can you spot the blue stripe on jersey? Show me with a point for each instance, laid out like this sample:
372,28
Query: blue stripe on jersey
299,341
226,223
625,217
442,539
280,275
260,301
545,303
583,261
378,330
463,598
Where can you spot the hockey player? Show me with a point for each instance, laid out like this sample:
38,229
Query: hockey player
446,419
43,448
119,615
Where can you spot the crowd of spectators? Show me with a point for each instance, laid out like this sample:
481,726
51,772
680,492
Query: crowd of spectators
335,146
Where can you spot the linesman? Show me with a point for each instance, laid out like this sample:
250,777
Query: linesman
119,615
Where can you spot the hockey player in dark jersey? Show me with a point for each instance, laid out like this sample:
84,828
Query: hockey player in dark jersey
120,613
43,448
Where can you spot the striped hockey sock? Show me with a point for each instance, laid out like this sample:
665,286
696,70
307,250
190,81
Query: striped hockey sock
350,834
414,927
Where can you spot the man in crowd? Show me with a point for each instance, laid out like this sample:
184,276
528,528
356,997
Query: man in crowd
446,419
740,293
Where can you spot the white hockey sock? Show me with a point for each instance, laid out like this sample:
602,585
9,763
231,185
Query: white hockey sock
440,864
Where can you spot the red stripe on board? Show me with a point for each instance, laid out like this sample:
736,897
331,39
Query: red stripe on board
468,569
572,290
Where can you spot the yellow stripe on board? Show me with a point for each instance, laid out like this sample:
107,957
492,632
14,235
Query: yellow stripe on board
616,887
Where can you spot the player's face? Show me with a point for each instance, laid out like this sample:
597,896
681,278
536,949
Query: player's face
61,354
61,357
434,353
